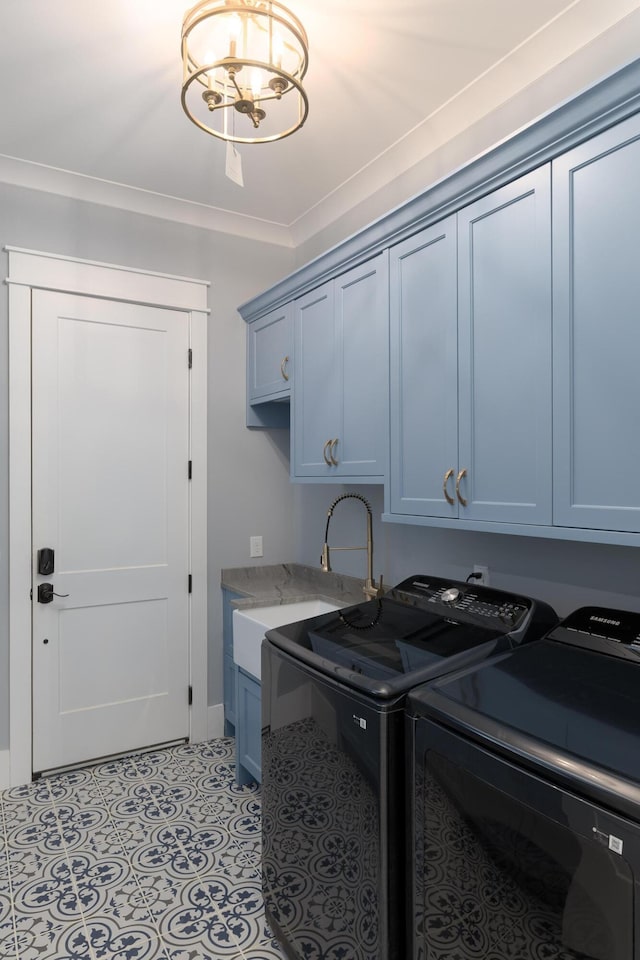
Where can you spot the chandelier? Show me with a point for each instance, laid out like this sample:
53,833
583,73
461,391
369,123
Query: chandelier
243,65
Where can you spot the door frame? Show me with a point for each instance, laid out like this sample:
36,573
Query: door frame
29,270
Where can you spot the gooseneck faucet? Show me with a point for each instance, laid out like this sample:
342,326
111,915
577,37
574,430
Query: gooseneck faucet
371,589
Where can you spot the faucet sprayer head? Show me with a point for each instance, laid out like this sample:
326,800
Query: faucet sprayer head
325,562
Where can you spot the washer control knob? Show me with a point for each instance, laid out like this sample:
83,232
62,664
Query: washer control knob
450,595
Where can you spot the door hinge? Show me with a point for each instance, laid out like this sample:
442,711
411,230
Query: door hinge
190,358
190,583
190,469
190,695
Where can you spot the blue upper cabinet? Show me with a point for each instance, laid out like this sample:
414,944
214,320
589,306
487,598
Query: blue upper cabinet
269,368
596,223
471,361
269,360
480,356
504,354
316,403
340,401
424,373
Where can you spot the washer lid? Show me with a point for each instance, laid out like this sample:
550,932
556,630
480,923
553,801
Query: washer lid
570,710
421,629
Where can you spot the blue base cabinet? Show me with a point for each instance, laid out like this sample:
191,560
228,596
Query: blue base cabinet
242,704
248,728
229,667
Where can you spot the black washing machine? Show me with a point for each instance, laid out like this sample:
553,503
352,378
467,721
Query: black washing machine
525,796
333,761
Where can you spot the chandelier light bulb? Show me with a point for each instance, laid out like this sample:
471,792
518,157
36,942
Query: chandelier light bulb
278,50
256,83
234,26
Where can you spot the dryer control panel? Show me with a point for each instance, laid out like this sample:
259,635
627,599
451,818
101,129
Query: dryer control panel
602,629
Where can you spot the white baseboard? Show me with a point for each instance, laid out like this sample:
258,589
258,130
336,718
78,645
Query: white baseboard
215,721
5,769
215,728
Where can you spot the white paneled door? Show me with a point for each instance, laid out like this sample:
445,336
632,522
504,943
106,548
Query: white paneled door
110,435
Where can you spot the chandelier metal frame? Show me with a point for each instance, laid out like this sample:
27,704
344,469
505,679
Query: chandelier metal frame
263,63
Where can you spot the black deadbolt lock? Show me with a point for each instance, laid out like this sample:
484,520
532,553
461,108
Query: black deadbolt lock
45,561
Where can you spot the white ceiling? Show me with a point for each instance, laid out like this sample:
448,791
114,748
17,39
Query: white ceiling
92,87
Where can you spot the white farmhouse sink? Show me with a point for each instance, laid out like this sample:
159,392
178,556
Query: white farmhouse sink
250,626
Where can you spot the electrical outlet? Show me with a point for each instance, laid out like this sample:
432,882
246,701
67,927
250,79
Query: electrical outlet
484,574
255,546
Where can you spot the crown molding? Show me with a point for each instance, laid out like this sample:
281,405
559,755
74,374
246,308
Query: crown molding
66,183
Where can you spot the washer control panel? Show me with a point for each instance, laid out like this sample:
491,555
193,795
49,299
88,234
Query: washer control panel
468,601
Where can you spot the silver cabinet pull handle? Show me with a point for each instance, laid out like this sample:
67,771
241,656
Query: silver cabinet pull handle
462,500
324,453
283,371
332,450
450,500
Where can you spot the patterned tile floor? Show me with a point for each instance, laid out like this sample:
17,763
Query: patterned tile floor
149,857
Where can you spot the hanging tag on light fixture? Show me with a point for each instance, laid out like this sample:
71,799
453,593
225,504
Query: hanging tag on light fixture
233,165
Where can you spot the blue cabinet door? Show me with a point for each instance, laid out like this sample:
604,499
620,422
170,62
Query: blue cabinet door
229,680
596,218
315,410
269,360
248,729
228,665
470,308
424,373
340,402
504,353
362,361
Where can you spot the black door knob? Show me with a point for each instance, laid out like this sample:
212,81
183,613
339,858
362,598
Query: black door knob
46,593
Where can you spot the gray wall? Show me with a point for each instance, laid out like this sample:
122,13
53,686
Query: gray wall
566,574
249,492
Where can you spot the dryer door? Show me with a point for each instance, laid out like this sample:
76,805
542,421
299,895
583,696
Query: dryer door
507,865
